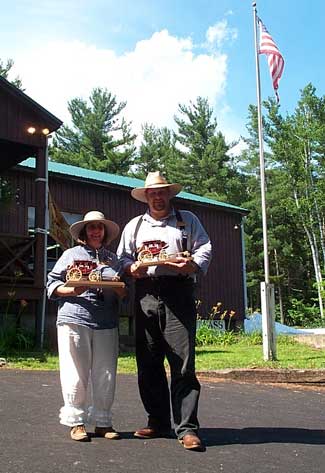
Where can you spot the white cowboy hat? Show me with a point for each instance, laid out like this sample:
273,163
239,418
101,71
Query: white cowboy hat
154,180
112,229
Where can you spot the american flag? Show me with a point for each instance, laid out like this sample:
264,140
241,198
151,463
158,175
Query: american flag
274,57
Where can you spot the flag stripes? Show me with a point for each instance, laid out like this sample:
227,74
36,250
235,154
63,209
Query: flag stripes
274,57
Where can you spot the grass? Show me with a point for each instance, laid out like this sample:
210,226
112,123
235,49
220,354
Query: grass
292,357
238,351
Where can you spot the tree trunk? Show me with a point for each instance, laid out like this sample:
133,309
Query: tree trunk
315,255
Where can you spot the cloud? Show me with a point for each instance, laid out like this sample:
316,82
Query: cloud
219,33
153,78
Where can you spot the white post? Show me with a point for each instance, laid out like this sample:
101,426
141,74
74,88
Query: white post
267,315
267,300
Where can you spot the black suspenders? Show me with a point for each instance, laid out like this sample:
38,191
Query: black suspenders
136,231
179,224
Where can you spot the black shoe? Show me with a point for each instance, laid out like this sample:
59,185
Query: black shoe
151,433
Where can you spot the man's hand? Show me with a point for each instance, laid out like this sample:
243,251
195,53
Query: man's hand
136,271
183,266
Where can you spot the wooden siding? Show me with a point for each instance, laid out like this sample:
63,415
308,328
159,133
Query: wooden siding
18,112
15,120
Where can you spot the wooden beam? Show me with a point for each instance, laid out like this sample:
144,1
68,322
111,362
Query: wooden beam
21,292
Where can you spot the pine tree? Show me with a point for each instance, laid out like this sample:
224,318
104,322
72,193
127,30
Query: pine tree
204,162
99,138
5,70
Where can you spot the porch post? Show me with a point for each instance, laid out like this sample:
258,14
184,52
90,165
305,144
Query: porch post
41,239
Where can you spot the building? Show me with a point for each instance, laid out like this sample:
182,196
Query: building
76,191
24,127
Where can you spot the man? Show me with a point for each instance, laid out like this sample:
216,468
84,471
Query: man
165,309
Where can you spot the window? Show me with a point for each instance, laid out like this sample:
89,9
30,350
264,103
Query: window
54,250
31,219
72,218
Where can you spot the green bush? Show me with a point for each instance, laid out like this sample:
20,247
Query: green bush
206,336
303,315
12,336
15,339
209,336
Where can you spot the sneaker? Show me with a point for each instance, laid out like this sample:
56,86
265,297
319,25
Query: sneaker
107,433
78,433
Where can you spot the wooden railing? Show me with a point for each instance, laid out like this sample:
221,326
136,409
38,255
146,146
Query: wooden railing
16,256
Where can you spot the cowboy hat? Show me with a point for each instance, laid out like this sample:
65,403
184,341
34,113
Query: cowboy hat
112,229
154,180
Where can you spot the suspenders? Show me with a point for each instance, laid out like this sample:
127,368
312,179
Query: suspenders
136,231
179,224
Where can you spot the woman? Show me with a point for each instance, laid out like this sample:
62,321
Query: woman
87,331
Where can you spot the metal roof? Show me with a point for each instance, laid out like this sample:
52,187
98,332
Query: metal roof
123,181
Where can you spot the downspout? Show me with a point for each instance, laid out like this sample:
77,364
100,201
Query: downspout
242,235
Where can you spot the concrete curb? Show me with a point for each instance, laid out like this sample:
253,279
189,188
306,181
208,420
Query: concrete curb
260,375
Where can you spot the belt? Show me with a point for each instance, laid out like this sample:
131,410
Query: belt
162,279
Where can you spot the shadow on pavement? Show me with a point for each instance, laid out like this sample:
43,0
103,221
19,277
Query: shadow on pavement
250,435
258,435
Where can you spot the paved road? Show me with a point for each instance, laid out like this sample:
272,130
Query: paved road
247,428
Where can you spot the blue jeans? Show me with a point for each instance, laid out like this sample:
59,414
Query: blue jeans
166,327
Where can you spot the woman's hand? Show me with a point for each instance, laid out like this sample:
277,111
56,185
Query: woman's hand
79,290
70,291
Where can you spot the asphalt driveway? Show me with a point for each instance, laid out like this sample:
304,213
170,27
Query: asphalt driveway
247,428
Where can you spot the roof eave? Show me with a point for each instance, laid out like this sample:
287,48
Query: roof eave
19,94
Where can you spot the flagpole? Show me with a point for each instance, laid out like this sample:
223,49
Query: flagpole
267,290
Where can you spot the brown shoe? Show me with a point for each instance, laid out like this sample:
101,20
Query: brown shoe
107,433
151,433
78,433
192,442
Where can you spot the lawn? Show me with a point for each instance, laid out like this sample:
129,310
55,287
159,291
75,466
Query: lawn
232,352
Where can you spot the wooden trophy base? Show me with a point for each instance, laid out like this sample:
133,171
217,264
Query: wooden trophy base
116,286
146,264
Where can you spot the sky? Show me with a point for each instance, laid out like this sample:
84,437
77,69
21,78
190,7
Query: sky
156,54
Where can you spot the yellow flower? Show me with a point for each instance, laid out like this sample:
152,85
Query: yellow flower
223,315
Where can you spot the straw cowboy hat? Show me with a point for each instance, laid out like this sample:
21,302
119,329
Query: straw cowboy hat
154,180
112,229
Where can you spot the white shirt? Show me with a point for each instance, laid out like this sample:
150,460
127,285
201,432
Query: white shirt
165,229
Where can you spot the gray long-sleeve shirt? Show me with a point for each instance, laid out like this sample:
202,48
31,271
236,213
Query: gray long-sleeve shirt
91,309
165,229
